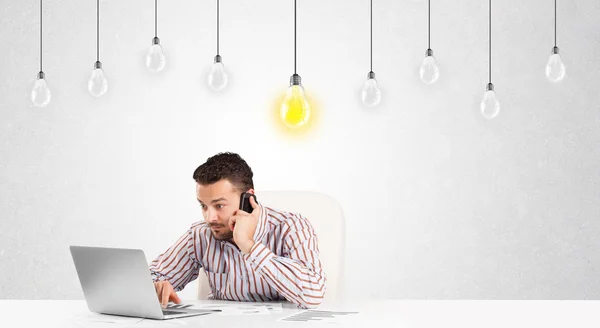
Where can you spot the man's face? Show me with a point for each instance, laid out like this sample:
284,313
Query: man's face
219,201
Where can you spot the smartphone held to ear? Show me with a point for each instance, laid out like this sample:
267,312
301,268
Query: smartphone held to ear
245,202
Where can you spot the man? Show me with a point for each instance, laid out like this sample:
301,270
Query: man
265,255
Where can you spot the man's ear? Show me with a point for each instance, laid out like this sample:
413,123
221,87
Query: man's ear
251,191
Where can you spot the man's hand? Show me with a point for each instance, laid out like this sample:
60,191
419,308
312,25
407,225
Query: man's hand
166,293
243,225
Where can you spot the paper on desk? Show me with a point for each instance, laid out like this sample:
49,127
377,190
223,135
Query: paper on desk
273,307
318,315
242,308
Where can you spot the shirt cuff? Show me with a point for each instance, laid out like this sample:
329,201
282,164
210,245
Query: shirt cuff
258,256
157,276
154,276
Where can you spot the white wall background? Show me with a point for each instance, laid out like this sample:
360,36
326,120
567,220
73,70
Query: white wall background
439,203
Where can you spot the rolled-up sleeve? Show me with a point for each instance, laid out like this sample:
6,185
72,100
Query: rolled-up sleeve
298,276
179,263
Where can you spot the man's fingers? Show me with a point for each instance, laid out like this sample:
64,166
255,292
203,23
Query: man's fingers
253,202
159,286
166,292
232,222
175,298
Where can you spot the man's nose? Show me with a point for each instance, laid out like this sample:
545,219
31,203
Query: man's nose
212,215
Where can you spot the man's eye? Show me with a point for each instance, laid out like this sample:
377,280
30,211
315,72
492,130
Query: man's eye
203,206
220,206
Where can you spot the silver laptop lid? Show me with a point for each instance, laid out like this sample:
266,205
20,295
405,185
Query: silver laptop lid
116,281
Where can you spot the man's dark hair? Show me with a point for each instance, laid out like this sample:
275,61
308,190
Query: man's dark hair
228,166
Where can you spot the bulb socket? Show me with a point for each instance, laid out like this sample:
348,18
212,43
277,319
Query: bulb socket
218,59
428,53
489,87
295,80
371,75
98,65
555,50
155,40
41,75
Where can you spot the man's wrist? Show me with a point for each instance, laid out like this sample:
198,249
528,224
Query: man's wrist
246,246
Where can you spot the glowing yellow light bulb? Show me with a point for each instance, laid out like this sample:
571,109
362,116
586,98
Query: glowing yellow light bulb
295,109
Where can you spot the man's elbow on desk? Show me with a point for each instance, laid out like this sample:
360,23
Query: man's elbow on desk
313,299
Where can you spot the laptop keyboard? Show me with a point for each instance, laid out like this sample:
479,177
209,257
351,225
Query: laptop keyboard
167,312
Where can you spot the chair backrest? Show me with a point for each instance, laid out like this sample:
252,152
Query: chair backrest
326,216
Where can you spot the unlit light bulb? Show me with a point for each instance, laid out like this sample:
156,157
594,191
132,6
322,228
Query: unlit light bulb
155,60
295,110
97,84
555,69
217,78
40,94
371,94
490,107
429,71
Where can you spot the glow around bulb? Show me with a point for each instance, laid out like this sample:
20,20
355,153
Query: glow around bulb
555,69
97,84
155,59
490,107
371,94
40,94
217,78
295,110
429,71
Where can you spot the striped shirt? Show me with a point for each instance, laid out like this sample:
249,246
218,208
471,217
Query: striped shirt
283,264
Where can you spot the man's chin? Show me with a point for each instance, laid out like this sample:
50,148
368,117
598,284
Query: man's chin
223,235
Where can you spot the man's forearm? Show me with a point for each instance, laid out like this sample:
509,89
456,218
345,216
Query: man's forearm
289,277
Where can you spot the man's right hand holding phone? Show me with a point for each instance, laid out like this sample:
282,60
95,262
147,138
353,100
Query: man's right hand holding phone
166,293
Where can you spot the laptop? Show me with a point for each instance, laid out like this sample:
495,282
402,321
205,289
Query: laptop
117,281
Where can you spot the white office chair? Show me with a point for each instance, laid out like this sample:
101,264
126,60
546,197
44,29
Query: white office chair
326,217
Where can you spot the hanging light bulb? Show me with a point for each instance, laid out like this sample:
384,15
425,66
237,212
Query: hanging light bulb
371,94
555,69
490,107
155,59
97,84
217,78
40,94
295,110
429,71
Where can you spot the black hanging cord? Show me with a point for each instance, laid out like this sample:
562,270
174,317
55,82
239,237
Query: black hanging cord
41,35
217,27
371,35
294,36
490,41
428,24
97,30
555,23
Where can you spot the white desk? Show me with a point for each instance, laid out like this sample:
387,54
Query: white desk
389,313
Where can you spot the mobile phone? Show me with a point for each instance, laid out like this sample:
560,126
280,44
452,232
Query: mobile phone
245,202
